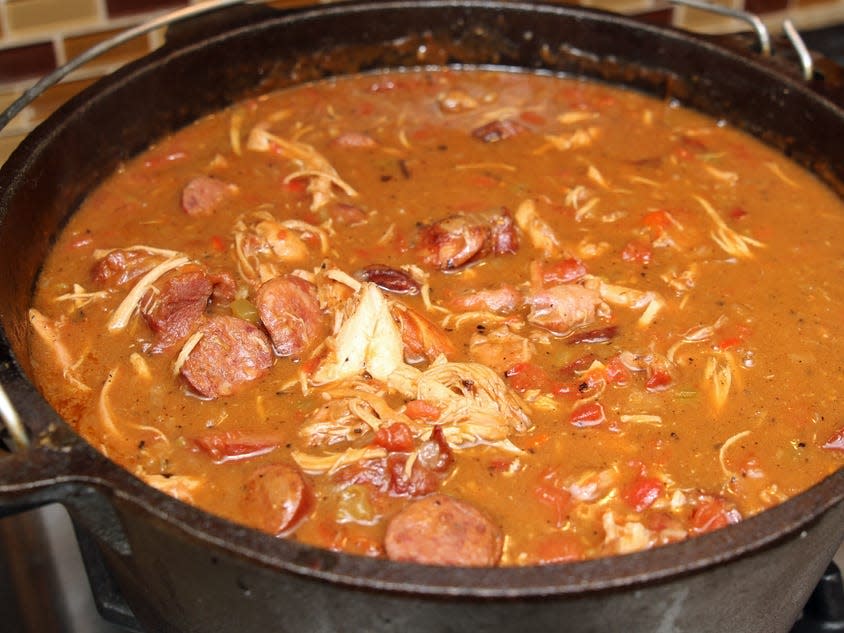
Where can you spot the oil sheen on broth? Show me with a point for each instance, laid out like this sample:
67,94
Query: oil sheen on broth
455,317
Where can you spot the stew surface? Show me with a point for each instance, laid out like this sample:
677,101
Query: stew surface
455,317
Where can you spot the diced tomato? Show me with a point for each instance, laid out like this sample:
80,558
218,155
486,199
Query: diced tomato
729,342
558,548
836,441
657,221
712,513
297,185
365,109
555,497
642,492
422,410
500,465
395,438
218,244
563,271
637,252
483,181
578,365
589,414
658,379
532,441
616,372
525,376
225,446
738,213
737,336
532,118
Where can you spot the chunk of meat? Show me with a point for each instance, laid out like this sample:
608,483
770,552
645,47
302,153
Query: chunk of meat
225,287
456,101
422,339
289,308
224,446
231,353
120,267
346,214
355,140
498,130
204,194
275,498
462,239
504,237
564,308
175,310
389,279
442,530
500,348
502,300
391,474
454,242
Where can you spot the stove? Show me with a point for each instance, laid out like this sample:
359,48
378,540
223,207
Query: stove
45,586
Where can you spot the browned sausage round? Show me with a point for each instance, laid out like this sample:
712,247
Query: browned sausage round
441,530
175,310
230,353
289,309
275,498
203,194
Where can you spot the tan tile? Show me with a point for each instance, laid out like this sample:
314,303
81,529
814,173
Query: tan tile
76,45
28,16
619,6
708,22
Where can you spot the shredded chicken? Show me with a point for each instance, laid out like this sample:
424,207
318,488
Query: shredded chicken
120,317
729,240
264,245
367,340
322,176
539,232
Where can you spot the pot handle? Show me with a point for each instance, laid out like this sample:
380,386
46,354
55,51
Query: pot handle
54,469
106,45
762,35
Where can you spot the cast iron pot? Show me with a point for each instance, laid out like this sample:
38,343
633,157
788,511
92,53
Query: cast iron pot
180,569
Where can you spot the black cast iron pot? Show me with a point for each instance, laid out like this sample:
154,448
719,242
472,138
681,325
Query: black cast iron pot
180,569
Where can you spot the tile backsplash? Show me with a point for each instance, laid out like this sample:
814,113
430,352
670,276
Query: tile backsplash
36,36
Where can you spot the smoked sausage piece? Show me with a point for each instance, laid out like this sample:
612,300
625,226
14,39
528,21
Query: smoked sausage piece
442,530
289,309
231,353
275,498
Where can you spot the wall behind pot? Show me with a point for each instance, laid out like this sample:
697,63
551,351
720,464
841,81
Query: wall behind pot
38,35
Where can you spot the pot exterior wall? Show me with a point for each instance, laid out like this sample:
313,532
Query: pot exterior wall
179,585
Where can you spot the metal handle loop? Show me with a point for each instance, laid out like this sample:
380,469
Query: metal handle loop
10,418
95,51
753,20
806,63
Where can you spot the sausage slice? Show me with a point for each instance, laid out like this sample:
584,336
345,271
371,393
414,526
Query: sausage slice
275,498
204,194
230,353
289,309
442,530
174,311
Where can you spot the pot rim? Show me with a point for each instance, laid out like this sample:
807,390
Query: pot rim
750,535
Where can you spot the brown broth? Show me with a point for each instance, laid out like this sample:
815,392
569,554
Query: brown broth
662,440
